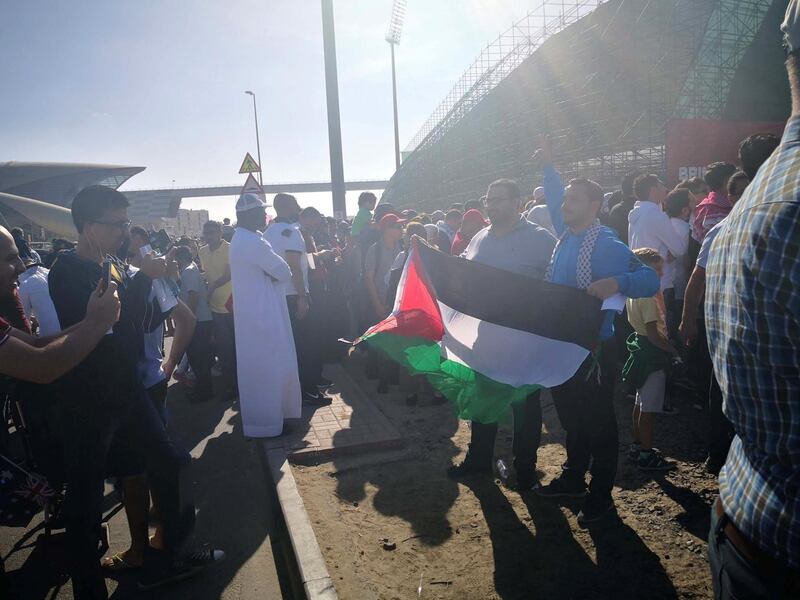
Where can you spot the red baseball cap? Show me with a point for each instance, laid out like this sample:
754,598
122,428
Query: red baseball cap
390,220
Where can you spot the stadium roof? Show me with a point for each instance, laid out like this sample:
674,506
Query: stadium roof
58,183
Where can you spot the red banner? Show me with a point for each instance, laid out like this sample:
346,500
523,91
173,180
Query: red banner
692,144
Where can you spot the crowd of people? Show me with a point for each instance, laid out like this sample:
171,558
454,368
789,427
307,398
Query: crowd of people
709,269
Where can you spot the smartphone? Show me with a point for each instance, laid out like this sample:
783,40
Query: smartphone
106,273
161,241
145,250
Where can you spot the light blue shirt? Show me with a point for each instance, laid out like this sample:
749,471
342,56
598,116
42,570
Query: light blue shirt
526,249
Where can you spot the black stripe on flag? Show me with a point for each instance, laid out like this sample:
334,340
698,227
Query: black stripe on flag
512,300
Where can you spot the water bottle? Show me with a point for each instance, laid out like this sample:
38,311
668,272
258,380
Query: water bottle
502,469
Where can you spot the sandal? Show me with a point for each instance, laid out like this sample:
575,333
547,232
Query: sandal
117,563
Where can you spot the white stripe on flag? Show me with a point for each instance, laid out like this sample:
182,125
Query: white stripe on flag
508,355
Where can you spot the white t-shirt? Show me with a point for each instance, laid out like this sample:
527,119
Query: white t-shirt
35,296
650,227
679,268
287,236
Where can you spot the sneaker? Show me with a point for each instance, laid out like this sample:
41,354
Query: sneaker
670,411
653,461
633,451
316,399
468,469
180,569
561,487
323,384
595,509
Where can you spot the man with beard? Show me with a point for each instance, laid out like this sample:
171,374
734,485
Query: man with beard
511,243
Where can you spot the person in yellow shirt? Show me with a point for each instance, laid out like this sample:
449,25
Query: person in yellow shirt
215,262
650,355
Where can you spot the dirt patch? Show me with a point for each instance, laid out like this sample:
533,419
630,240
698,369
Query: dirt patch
388,521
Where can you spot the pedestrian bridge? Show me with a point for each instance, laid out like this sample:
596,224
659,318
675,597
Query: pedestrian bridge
148,205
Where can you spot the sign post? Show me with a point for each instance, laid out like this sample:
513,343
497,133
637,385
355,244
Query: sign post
249,165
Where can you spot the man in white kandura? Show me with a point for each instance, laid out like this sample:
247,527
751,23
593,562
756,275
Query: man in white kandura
269,387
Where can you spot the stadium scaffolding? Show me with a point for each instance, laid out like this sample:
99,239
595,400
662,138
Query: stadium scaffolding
602,78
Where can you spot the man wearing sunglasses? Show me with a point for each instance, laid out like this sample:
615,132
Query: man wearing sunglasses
101,420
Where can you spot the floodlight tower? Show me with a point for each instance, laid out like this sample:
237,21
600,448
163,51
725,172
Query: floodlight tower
393,37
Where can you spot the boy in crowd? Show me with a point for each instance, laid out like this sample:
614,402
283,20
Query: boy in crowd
215,262
194,293
650,354
366,204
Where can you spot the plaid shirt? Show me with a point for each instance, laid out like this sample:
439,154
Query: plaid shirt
753,319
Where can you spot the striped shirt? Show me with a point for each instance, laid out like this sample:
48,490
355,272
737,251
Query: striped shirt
753,320
5,331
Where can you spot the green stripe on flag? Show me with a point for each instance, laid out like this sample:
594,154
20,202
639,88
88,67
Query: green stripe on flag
475,396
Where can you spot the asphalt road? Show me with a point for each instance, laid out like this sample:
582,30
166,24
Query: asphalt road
234,512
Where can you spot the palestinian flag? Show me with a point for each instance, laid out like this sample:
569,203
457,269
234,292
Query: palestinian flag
484,337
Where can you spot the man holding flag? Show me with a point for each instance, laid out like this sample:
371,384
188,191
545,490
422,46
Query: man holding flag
589,256
513,244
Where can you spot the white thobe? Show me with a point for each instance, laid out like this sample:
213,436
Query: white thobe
269,387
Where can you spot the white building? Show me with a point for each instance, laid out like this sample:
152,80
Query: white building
188,222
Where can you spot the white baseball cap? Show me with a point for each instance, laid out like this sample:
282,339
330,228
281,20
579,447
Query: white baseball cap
249,201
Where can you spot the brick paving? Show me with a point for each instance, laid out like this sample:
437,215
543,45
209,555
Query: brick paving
350,424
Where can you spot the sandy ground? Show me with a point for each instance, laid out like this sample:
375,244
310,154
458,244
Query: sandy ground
390,522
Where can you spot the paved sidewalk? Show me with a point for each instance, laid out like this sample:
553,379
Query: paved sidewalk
351,423
234,512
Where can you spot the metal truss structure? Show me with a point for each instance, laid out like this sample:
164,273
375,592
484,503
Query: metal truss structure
602,78
499,58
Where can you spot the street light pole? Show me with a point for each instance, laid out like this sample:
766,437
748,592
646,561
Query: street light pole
258,141
394,105
393,37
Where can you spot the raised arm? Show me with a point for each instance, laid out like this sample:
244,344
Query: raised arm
21,360
554,196
552,184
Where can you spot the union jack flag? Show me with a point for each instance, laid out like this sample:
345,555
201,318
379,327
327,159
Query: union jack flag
22,494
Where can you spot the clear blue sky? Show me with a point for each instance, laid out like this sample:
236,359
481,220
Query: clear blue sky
160,83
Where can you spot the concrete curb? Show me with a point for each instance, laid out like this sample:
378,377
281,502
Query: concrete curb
314,576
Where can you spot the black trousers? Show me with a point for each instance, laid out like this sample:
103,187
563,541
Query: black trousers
88,442
226,347
201,356
527,437
157,395
585,407
720,430
309,361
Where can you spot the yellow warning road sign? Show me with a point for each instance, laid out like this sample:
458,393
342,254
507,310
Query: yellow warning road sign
249,165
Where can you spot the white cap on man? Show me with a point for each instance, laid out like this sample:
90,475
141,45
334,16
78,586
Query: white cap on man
249,201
